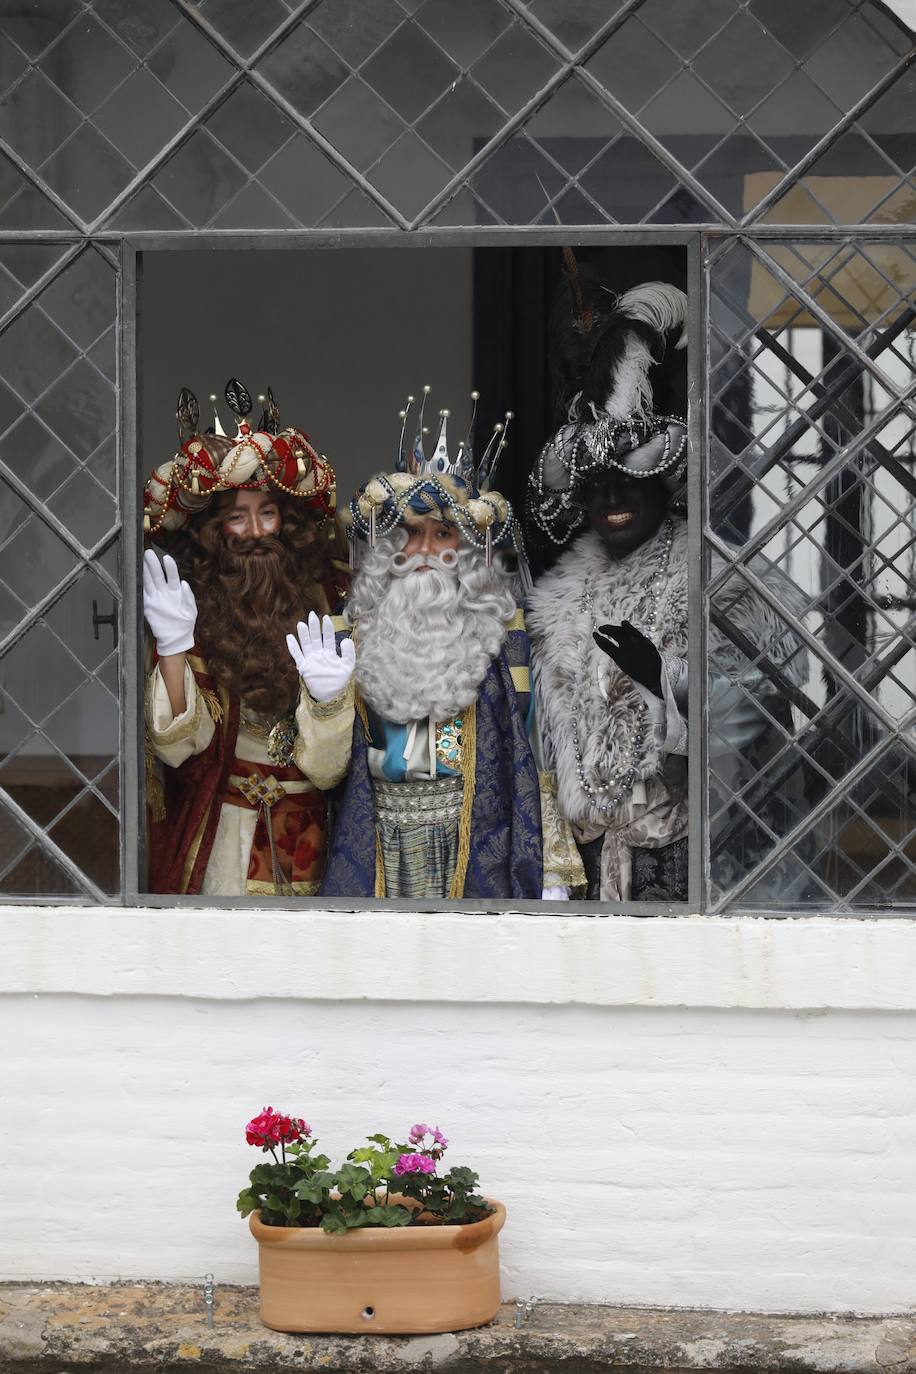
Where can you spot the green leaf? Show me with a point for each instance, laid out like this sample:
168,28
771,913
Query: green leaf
380,1140
263,1174
354,1181
310,1190
392,1215
364,1155
273,1203
465,1179
333,1223
248,1201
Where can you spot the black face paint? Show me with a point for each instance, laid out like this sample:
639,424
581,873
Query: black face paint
626,511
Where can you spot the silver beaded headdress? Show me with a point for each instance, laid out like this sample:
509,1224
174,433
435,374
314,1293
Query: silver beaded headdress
623,432
456,489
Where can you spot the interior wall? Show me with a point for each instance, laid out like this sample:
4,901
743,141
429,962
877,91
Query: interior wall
341,336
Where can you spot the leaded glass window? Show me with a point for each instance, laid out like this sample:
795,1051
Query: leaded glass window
774,140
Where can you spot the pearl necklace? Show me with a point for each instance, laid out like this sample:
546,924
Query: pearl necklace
626,772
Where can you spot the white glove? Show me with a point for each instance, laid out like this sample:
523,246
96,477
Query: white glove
324,671
555,894
168,604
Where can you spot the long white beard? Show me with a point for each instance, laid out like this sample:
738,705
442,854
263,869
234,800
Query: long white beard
425,640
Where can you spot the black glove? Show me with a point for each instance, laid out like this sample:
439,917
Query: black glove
633,653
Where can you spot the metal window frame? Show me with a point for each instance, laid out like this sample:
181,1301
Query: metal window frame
133,247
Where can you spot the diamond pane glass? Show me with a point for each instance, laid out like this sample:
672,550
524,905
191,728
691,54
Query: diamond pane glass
812,492
409,101
110,85
738,98
574,159
868,174
59,710
59,731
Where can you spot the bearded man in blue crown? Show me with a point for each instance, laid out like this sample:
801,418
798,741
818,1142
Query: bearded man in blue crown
441,799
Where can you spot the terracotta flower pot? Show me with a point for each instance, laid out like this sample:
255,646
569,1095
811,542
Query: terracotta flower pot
410,1279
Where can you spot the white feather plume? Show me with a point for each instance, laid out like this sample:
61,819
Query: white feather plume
631,390
659,305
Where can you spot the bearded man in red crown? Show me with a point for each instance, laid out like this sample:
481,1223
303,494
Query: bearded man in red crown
240,745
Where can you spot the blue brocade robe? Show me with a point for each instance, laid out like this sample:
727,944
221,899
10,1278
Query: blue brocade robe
504,833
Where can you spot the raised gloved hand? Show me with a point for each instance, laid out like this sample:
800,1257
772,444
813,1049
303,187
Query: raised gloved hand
324,671
168,604
633,653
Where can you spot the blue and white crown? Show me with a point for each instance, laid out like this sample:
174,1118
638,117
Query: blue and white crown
475,473
456,490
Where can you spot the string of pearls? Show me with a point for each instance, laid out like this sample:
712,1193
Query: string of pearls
389,515
590,451
628,769
185,477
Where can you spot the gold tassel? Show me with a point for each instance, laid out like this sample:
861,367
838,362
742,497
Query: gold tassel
363,715
212,703
469,773
147,524
155,789
379,866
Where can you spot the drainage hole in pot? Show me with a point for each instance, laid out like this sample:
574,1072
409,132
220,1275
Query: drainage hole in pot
368,1313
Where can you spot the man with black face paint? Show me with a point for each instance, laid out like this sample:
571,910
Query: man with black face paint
608,622
609,646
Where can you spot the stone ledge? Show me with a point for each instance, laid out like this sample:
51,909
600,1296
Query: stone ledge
58,1327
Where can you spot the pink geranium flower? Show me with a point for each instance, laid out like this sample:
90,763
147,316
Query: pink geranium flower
414,1164
418,1134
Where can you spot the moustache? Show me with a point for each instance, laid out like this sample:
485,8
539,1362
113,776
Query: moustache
268,544
402,564
238,551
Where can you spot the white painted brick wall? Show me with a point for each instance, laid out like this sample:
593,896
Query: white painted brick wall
729,1158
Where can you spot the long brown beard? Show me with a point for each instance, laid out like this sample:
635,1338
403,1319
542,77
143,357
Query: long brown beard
252,603
247,603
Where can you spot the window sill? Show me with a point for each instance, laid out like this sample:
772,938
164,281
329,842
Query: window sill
808,963
141,1326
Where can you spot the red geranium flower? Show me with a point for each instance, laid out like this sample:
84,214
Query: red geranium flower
274,1128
